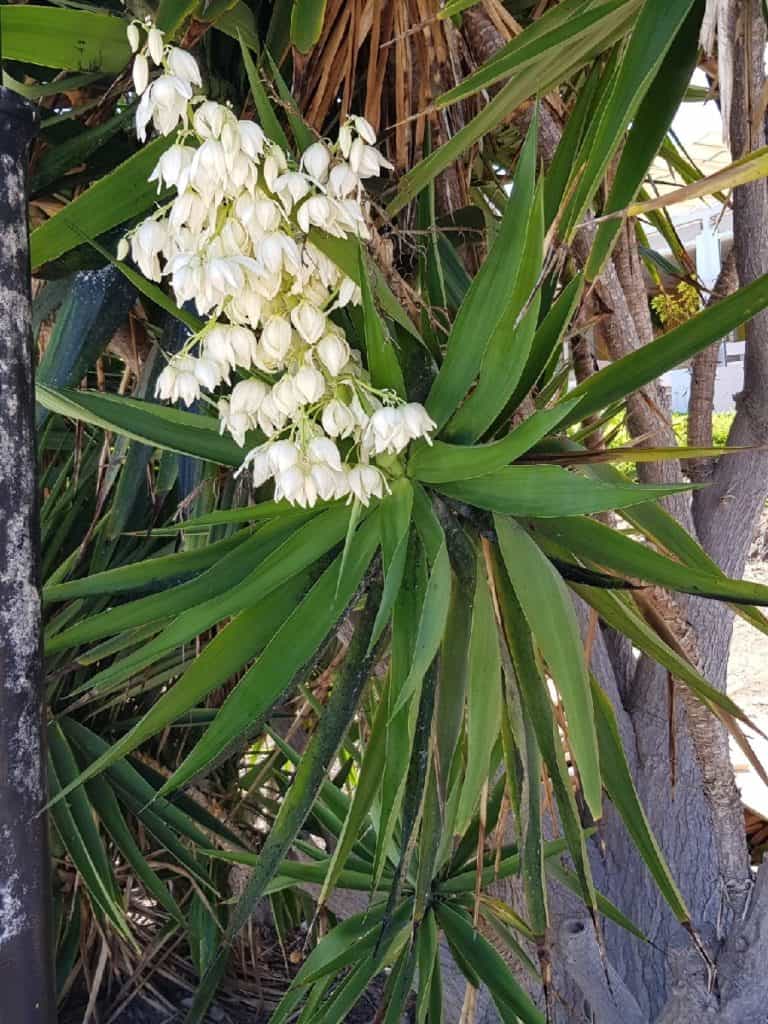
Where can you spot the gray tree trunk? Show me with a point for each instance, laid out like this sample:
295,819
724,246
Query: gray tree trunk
26,961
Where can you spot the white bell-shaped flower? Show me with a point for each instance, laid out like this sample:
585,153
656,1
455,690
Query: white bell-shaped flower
316,210
246,308
248,396
251,139
264,215
309,385
316,161
282,455
296,486
333,352
276,338
291,187
318,263
182,378
346,138
140,73
278,251
186,272
210,372
269,417
165,104
208,170
155,44
275,164
309,321
349,294
363,128
172,169
386,431
147,243
367,162
134,36
286,396
417,421
366,482
183,65
338,420
209,119
329,483
257,460
189,209
323,451
235,423
342,181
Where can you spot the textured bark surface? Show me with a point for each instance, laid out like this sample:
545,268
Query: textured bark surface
26,995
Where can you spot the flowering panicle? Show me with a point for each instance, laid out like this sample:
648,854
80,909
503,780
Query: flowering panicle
235,240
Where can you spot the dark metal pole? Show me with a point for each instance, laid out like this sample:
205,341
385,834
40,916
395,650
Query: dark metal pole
26,956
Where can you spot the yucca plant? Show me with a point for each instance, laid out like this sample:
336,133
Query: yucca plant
467,723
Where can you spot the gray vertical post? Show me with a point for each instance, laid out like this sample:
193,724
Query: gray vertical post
26,959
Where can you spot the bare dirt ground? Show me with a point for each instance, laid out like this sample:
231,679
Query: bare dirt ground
748,684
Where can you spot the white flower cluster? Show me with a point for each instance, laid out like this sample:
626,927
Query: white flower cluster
235,240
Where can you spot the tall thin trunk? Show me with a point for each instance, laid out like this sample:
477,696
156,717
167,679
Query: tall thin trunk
26,963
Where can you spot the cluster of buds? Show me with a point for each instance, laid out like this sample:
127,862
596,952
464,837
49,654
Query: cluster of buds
235,239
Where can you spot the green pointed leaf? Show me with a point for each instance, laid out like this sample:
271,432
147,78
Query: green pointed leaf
649,127
490,293
626,375
612,550
75,822
107,808
400,726
226,574
298,801
395,518
549,491
555,29
137,575
554,64
307,19
157,425
537,707
549,612
72,40
267,117
117,197
368,783
291,647
483,699
483,959
621,789
434,611
382,359
653,34
620,612
509,346
441,462
219,661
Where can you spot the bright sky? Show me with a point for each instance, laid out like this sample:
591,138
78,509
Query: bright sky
700,129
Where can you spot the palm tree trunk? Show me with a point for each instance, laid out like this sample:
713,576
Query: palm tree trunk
26,962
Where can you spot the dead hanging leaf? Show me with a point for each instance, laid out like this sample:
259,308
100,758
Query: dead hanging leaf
410,56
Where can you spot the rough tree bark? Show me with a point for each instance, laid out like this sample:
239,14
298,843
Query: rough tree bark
26,959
